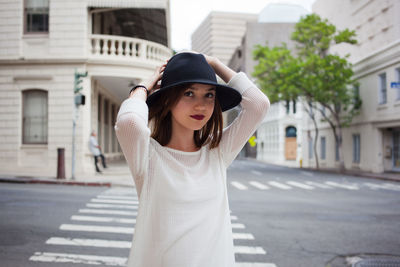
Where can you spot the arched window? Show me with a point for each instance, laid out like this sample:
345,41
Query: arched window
34,121
291,131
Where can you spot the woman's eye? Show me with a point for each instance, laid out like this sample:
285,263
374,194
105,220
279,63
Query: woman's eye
210,95
188,93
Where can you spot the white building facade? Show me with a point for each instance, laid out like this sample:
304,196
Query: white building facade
372,142
42,44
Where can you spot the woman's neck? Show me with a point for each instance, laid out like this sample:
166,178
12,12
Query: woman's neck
183,140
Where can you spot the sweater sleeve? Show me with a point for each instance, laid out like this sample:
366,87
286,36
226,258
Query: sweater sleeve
255,105
134,137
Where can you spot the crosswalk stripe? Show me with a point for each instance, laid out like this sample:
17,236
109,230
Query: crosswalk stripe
248,250
76,258
117,197
233,218
254,264
243,236
350,187
95,228
238,226
102,219
115,212
297,184
257,173
392,186
318,185
114,201
259,185
88,242
239,185
95,205
375,186
279,185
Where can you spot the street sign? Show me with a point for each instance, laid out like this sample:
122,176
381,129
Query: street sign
395,85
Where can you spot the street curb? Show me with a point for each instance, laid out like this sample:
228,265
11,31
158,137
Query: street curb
47,181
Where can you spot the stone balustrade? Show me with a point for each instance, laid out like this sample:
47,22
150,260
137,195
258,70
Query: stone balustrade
120,47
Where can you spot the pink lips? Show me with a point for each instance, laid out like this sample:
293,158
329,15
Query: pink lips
197,117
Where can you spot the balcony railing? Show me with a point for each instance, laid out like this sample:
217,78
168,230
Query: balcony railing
119,47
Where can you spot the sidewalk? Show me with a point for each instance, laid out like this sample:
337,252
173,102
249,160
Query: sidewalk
117,174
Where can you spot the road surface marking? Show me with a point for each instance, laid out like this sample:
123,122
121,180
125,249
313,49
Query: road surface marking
88,242
115,212
248,250
233,218
257,173
238,226
258,185
254,264
350,187
75,258
243,236
95,228
318,185
117,197
95,205
239,185
279,185
297,184
114,201
102,219
392,186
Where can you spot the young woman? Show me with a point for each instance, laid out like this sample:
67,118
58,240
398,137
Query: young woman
179,166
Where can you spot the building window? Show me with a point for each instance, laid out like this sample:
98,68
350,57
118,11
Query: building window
382,89
356,148
294,106
310,148
323,147
336,150
34,121
36,16
398,80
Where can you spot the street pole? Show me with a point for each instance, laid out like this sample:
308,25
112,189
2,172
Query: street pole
79,99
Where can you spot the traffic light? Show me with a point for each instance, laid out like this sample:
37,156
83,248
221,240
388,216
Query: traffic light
79,98
78,81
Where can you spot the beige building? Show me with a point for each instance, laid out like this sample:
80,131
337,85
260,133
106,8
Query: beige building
372,142
42,44
220,33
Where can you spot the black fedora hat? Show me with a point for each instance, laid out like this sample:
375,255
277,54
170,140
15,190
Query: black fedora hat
186,68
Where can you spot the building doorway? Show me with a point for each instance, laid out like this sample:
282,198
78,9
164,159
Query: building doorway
291,143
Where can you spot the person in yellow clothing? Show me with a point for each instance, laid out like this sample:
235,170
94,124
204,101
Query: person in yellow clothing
173,139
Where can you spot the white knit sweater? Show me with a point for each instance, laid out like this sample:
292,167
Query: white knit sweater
183,218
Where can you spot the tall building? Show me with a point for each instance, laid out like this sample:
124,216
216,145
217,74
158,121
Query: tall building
279,136
43,44
372,142
220,33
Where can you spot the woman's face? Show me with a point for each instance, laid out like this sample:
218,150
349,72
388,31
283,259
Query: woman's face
194,108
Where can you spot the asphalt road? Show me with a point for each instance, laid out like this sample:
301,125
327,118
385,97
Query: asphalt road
280,217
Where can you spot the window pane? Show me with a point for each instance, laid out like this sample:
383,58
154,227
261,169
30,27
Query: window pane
356,148
34,117
382,88
37,15
323,148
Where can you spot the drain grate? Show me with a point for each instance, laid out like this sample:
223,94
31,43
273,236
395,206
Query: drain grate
378,263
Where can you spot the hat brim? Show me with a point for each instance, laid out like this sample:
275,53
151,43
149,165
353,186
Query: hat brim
227,96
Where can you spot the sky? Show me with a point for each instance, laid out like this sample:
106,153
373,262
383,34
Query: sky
187,15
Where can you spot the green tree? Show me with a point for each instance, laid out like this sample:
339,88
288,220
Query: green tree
323,81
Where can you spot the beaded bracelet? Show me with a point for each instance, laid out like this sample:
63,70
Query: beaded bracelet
139,86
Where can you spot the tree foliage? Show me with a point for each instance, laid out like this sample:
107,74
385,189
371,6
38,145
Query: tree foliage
311,73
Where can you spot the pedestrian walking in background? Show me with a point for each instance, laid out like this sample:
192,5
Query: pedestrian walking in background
96,151
179,160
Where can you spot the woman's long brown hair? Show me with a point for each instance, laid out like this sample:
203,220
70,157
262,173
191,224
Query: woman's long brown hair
160,118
